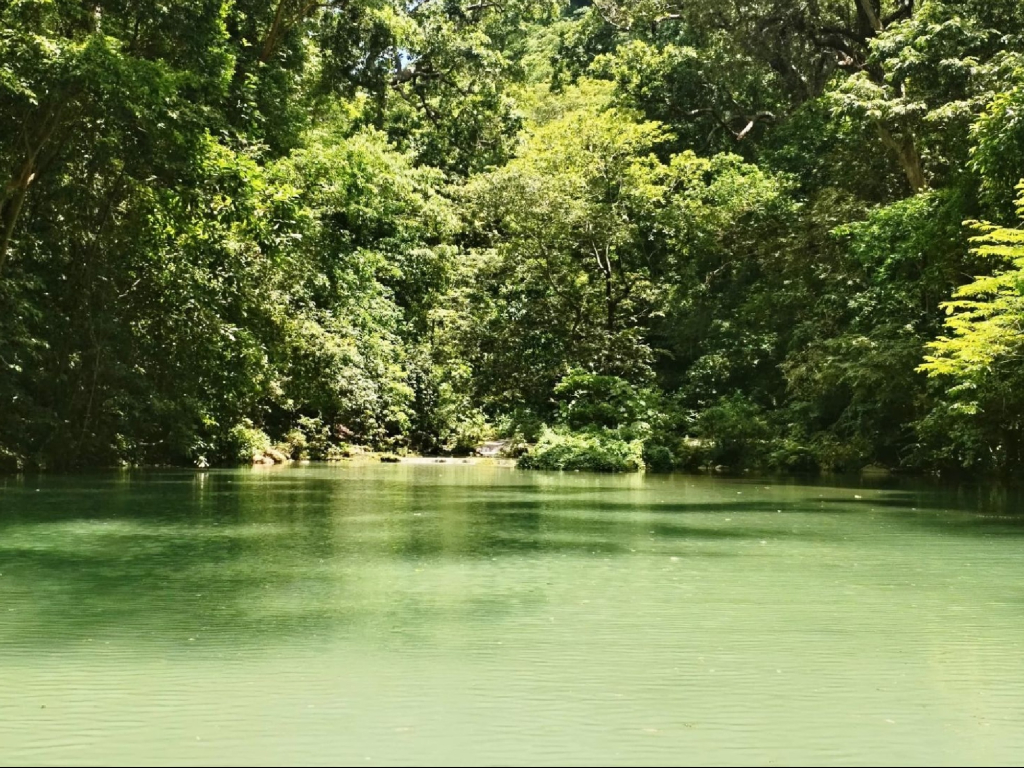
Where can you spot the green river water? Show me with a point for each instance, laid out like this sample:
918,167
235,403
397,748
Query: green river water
452,614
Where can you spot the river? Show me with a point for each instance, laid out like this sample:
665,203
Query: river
452,614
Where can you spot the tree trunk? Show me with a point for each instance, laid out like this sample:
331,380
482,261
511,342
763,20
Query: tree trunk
609,298
605,265
270,41
906,151
871,13
285,22
13,199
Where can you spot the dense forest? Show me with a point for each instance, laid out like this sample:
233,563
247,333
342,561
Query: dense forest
773,234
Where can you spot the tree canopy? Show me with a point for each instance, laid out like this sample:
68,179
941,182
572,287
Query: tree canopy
641,231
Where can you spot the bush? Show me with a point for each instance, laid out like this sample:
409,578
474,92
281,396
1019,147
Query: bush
738,430
245,443
835,454
317,437
312,439
467,433
659,458
789,454
590,452
693,453
295,445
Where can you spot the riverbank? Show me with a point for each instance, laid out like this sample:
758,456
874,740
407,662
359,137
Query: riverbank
387,458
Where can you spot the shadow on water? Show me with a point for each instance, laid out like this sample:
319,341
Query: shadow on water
251,557
969,510
738,507
162,557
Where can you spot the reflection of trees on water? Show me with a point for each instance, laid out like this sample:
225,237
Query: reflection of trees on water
402,551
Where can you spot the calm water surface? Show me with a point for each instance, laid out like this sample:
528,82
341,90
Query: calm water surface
479,615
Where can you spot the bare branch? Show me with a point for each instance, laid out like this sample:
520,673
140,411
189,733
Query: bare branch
905,11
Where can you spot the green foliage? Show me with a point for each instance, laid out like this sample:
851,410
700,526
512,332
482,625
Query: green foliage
565,219
363,262
182,252
998,154
985,315
244,444
606,402
593,238
686,234
735,431
981,423
311,438
583,452
856,384
659,458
